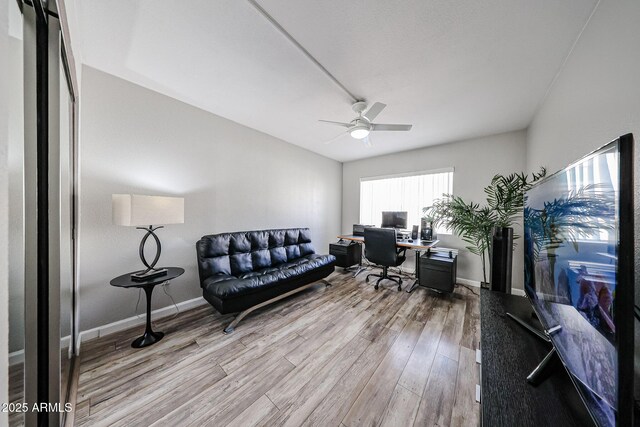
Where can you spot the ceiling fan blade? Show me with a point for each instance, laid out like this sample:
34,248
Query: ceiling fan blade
336,138
377,126
347,125
375,109
367,141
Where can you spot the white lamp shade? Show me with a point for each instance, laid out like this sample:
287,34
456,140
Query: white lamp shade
135,210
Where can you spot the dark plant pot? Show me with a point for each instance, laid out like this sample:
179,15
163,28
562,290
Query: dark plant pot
501,259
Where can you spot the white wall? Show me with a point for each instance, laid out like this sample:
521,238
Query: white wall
4,207
476,161
595,99
233,178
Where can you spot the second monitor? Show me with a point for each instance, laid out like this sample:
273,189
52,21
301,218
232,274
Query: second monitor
394,219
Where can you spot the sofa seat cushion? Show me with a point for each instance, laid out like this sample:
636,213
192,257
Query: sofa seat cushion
224,286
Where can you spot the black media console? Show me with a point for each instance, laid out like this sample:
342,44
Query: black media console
509,353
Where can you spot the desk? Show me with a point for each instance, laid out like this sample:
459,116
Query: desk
417,245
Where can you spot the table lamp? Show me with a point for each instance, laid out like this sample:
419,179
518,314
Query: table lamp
143,212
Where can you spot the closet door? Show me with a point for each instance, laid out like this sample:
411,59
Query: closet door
66,173
49,178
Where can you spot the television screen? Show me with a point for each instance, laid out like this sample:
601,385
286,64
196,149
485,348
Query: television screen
578,227
394,219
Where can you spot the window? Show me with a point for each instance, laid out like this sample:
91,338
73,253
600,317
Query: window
407,192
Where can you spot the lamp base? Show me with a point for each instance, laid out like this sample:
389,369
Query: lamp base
142,276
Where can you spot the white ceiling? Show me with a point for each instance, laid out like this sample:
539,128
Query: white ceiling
455,69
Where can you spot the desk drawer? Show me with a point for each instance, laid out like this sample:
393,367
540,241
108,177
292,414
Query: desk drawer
437,272
435,267
338,249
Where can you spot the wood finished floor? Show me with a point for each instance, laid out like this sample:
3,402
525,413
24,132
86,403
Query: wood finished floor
16,393
16,386
345,355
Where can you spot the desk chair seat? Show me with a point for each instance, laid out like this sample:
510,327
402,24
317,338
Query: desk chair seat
380,249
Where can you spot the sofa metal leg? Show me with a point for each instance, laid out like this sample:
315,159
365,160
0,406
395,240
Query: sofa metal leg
229,329
232,326
326,282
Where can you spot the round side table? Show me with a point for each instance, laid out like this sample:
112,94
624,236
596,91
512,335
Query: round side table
149,337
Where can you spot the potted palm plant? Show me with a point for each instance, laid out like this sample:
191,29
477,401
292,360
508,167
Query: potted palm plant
477,224
469,220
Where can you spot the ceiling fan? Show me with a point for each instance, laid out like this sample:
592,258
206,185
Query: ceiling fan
361,126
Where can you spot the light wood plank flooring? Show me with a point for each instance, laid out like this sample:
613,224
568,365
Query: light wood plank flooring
16,393
345,355
16,386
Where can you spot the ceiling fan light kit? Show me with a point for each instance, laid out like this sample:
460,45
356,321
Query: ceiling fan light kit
359,131
361,126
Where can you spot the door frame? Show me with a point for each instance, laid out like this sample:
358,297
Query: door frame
46,47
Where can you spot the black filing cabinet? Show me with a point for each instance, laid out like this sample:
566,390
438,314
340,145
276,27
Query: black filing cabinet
347,253
438,271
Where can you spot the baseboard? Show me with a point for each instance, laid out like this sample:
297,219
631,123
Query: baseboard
476,284
17,357
460,280
121,325
468,282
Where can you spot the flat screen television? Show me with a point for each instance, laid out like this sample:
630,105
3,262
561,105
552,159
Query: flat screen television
579,274
394,219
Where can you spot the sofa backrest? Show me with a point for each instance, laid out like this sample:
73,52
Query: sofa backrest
245,251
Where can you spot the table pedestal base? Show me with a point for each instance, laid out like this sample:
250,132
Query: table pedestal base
147,339
125,281
149,336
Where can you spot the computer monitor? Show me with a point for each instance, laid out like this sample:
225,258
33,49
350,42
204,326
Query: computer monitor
394,219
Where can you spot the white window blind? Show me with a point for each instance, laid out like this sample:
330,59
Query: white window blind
408,193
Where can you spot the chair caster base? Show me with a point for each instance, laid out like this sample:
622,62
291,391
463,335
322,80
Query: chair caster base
228,331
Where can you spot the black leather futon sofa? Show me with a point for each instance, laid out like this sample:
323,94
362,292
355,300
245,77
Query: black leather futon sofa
240,272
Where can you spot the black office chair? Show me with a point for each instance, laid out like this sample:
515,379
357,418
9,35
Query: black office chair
380,248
